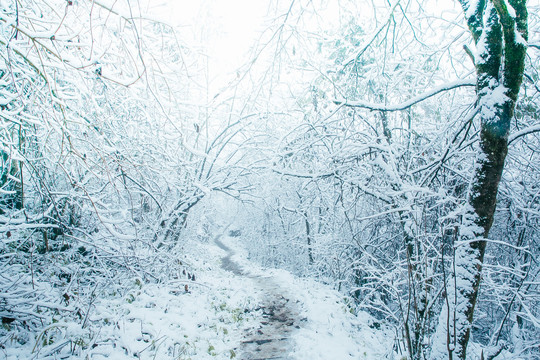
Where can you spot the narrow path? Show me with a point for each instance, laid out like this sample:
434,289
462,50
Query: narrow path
271,338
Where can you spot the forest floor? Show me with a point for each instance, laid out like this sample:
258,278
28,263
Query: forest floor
271,338
293,318
232,309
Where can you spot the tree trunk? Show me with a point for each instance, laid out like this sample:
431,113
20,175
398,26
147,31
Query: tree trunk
309,238
501,44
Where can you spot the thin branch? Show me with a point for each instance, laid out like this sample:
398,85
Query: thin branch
529,130
532,82
353,59
409,103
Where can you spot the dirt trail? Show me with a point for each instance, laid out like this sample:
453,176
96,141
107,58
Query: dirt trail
271,338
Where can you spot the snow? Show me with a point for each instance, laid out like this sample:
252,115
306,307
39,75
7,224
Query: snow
471,7
415,100
519,37
330,197
331,331
210,321
492,98
6,98
510,8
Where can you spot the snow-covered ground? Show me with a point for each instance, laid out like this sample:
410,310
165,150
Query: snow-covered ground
327,328
253,314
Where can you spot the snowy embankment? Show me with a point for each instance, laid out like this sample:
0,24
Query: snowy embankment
221,316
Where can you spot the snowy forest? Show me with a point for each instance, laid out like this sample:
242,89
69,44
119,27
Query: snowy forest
270,179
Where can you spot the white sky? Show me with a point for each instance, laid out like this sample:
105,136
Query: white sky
224,29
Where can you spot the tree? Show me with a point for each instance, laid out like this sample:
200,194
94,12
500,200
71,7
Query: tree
499,30
412,169
97,148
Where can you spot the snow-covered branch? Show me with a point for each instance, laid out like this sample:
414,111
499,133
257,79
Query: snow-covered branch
529,130
407,104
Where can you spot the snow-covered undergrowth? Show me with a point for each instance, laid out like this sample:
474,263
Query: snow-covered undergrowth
137,319
134,318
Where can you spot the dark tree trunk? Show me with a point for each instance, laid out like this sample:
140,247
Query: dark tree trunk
309,238
500,40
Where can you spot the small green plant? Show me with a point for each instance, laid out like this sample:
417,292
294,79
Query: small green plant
130,298
80,343
237,315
